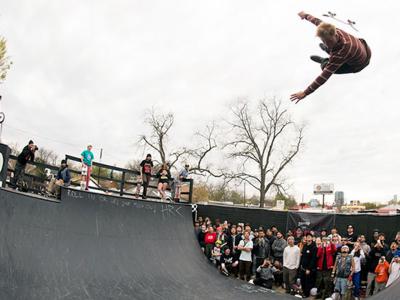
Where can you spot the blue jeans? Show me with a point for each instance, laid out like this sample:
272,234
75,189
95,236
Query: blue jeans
341,285
357,284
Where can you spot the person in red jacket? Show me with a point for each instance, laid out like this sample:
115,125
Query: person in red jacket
209,240
382,275
325,262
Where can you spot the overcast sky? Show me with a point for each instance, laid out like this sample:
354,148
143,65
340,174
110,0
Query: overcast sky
86,71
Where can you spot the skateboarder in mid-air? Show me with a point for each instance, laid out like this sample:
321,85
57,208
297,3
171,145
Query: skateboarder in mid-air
347,54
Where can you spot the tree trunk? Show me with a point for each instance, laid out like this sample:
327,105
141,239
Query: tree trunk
262,199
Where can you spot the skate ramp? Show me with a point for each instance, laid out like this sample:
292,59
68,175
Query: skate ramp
92,246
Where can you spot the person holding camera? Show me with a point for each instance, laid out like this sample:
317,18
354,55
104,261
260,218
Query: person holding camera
382,275
266,274
358,257
373,259
27,154
325,261
146,168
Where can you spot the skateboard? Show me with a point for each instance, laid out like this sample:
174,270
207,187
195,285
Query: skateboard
349,22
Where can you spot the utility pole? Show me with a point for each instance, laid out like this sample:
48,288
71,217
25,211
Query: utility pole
244,194
98,169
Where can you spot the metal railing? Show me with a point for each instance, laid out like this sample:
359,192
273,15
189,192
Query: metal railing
118,184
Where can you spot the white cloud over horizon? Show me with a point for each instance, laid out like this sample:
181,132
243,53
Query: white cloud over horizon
86,71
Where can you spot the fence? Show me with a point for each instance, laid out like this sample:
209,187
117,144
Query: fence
285,220
118,181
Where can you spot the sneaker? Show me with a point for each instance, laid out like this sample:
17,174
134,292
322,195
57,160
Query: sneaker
317,59
324,47
251,281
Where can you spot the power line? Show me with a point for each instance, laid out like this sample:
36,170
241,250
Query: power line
31,133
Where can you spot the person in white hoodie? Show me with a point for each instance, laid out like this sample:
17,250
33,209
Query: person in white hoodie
394,270
291,262
358,256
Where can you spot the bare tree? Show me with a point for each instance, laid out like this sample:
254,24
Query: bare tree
199,155
160,126
5,62
265,141
46,156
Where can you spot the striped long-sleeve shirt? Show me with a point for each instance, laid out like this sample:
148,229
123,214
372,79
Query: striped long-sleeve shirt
349,50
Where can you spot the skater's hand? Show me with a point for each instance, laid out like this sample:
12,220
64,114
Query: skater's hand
308,272
302,15
297,96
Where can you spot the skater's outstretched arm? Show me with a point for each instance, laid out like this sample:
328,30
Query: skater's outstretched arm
309,18
335,62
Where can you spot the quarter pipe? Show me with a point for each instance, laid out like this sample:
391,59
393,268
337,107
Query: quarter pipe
92,246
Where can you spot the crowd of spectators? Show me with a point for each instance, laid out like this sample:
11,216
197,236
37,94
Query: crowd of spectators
322,264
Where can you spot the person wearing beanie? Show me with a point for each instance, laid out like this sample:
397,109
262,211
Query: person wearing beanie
27,154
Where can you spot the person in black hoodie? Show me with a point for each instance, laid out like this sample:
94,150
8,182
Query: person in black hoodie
27,154
201,235
308,265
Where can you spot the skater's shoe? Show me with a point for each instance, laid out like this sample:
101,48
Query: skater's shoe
324,47
317,58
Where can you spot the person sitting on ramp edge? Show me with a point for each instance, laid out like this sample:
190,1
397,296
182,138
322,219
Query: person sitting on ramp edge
347,54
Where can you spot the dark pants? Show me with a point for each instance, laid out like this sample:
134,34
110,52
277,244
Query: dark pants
146,181
208,249
267,283
18,172
278,275
289,278
345,68
307,282
324,283
244,270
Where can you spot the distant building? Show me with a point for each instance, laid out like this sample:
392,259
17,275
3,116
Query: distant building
339,198
314,203
354,206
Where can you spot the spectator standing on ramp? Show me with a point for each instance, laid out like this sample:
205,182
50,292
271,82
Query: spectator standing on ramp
347,54
164,176
146,167
86,159
27,154
182,176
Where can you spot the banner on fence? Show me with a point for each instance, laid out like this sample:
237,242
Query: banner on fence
310,221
